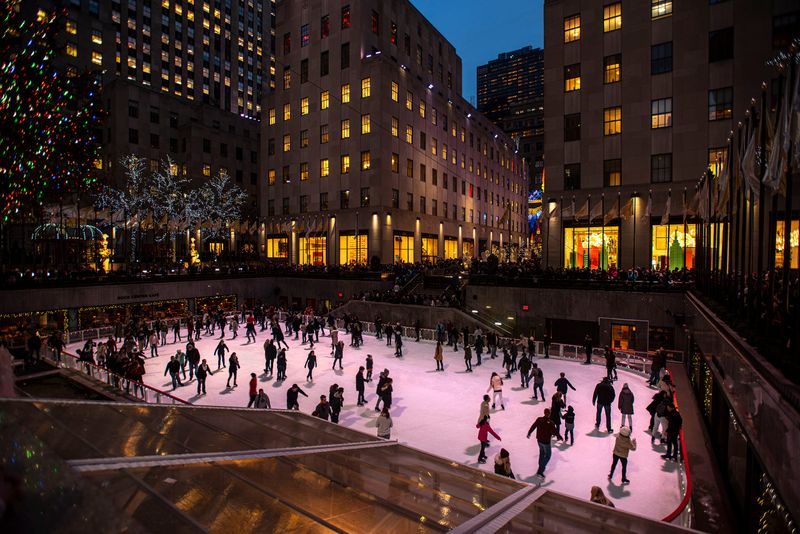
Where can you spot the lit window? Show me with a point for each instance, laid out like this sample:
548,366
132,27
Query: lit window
572,28
324,167
612,121
409,101
72,27
272,115
611,68
395,162
97,37
661,113
287,111
720,104
365,124
365,88
365,160
612,17
346,93
305,38
72,50
206,169
409,134
395,91
572,77
97,58
434,145
324,100
287,143
345,163
717,158
323,134
304,106
422,111
612,172
345,128
660,8
395,127
304,171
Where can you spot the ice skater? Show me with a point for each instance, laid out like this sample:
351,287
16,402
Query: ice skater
338,355
173,368
569,425
360,387
311,362
525,371
233,368
203,370
622,446
484,408
323,409
369,364
291,397
484,429
538,381
611,364
468,358
437,355
557,404
253,386
502,464
281,364
588,347
603,396
384,424
625,405
398,344
220,353
334,338
386,393
562,385
496,386
337,401
545,430
270,353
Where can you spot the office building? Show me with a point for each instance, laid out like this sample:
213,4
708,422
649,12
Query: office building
640,98
511,94
369,152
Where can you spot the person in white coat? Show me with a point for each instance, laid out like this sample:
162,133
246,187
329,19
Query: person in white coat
496,386
384,423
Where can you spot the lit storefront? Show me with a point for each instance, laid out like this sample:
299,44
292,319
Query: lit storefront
312,250
593,247
277,247
430,249
403,248
450,249
673,246
780,243
353,249
468,248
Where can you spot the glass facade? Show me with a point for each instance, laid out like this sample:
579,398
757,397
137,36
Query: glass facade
430,249
591,247
277,247
468,249
313,251
673,246
780,243
353,249
403,248
450,249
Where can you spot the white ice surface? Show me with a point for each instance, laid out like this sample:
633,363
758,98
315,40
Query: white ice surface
437,412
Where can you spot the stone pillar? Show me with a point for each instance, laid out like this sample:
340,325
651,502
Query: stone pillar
387,240
460,251
374,237
417,241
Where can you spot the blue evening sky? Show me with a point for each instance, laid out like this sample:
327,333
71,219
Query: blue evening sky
480,30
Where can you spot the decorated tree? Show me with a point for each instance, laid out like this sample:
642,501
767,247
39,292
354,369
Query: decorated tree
222,202
48,118
131,203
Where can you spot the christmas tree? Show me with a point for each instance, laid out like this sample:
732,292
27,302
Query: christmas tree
48,117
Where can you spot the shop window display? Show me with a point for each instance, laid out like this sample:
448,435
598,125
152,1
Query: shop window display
594,247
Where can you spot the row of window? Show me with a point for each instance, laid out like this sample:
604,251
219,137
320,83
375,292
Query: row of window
720,107
660,169
612,18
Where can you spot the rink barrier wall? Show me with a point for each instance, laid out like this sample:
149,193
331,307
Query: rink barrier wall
633,361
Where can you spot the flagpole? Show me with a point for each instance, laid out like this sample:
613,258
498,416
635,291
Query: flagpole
633,199
751,211
561,253
603,253
787,212
761,191
685,240
772,221
619,228
574,227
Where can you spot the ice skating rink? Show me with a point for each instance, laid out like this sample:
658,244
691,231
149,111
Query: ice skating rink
437,411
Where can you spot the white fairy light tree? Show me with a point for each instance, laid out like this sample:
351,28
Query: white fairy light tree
222,202
131,201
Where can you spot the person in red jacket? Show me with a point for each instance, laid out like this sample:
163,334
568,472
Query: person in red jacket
483,436
545,430
253,387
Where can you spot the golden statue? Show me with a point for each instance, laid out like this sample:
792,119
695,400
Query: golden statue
105,254
194,257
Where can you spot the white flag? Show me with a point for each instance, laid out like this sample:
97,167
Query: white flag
667,207
748,164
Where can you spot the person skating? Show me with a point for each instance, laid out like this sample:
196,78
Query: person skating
388,330
253,386
153,340
382,377
220,353
484,408
417,329
602,397
468,358
173,368
557,404
625,405
562,385
658,363
323,409
538,381
484,429
176,331
384,424
193,355
502,464
203,370
281,364
611,363
369,365
588,347
398,344
233,368
386,393
234,327
181,357
292,395
337,401
250,329
546,344
545,430
262,400
659,413
437,355
338,355
525,371
334,338
674,425
360,387
597,496
569,425
622,446
277,335
496,386
270,353
311,362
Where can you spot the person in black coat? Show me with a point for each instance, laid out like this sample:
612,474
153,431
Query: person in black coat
337,401
270,353
292,395
562,385
382,377
674,425
611,363
311,362
323,409
202,373
603,396
386,393
360,386
173,368
281,363
587,346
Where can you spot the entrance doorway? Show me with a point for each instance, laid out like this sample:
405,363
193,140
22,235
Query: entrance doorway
621,336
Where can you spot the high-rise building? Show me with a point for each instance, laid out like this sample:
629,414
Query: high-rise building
511,94
640,98
182,78
370,151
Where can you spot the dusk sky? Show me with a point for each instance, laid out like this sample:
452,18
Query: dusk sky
481,30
